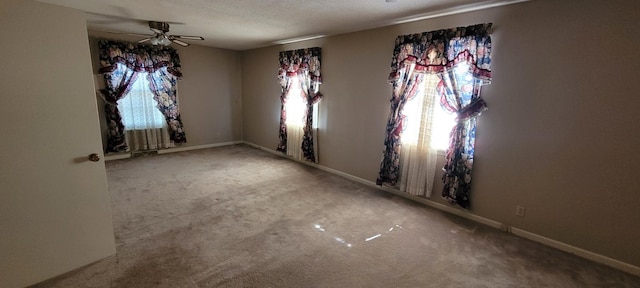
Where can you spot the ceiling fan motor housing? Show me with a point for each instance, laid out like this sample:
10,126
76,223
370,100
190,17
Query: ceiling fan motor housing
160,26
160,37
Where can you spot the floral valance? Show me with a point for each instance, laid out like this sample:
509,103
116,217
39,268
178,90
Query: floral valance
437,50
301,61
138,57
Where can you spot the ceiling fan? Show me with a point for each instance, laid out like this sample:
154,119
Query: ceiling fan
160,36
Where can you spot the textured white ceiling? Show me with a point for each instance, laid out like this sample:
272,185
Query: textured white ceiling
247,24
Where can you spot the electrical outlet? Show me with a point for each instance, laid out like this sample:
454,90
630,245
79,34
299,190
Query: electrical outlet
505,228
520,211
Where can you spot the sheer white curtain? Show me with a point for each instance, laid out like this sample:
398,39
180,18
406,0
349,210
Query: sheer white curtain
145,126
418,153
296,108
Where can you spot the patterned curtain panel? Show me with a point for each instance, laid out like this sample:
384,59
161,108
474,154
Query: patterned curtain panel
163,85
406,82
118,82
461,57
305,65
120,63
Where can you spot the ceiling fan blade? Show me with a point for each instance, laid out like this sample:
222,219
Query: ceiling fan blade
138,35
181,43
144,40
105,19
119,17
130,34
187,37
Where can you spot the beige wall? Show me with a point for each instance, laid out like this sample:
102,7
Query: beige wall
209,91
559,137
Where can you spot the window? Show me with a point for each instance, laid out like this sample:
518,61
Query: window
138,109
443,122
145,126
299,79
461,57
416,109
296,107
155,69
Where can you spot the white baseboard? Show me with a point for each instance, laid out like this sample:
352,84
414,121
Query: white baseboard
125,155
626,267
196,147
617,264
116,156
449,209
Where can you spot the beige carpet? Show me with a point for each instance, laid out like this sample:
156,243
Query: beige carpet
240,217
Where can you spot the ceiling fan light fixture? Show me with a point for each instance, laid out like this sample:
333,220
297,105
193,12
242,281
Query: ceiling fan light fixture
163,40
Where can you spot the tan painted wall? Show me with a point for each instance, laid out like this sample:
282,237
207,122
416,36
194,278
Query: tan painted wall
560,137
209,91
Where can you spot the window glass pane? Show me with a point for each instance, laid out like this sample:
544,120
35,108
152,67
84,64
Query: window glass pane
414,109
296,106
442,124
138,109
